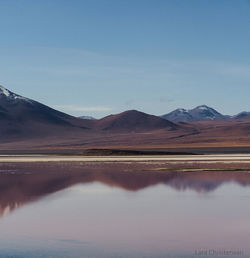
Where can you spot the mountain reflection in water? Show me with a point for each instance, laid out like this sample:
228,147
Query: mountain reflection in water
21,183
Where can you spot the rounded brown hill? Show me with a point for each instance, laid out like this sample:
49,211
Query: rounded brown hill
133,120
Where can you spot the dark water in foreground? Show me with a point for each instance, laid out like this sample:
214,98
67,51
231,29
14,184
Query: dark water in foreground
66,210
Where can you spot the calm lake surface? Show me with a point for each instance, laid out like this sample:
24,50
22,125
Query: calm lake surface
77,209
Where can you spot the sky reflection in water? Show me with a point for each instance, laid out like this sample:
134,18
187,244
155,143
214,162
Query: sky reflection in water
68,210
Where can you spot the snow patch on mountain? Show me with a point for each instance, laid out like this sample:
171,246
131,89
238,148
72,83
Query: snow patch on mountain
4,91
87,117
12,96
203,107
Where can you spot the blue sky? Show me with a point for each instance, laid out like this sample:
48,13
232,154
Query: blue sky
105,56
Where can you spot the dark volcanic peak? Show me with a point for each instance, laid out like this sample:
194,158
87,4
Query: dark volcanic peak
17,108
22,117
199,113
178,115
133,120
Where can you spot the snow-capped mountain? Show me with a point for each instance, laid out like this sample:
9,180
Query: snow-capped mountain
20,116
199,113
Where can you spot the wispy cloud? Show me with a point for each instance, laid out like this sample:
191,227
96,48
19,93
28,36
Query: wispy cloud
73,108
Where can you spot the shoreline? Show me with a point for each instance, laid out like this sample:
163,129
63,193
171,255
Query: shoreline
210,158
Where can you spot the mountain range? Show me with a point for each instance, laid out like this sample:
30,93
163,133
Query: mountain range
201,113
26,123
19,115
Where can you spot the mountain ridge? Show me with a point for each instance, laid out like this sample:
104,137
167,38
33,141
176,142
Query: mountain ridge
199,113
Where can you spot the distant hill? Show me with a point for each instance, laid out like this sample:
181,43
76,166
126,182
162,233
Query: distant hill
242,115
200,113
134,120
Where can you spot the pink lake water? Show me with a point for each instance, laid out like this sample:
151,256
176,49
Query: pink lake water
96,213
